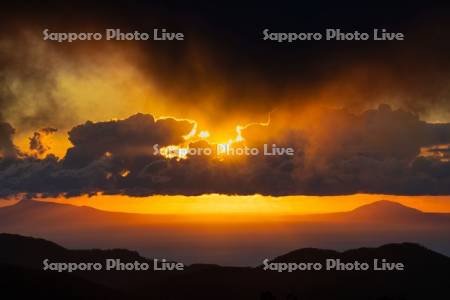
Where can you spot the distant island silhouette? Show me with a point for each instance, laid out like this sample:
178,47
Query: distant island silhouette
226,241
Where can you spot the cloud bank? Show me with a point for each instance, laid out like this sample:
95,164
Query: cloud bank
378,151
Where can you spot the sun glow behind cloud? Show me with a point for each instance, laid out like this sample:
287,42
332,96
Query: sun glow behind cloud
96,87
127,93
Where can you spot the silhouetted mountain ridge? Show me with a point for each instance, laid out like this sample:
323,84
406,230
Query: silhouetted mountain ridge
425,275
385,208
187,239
409,253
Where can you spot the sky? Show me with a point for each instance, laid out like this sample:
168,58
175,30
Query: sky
362,117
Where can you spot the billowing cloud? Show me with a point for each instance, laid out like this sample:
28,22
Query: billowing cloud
37,144
124,140
378,151
7,148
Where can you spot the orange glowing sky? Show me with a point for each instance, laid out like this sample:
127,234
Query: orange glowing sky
247,205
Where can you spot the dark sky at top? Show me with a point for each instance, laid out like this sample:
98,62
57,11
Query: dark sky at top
227,38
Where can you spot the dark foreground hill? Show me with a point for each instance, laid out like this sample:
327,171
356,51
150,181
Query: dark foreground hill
25,283
426,275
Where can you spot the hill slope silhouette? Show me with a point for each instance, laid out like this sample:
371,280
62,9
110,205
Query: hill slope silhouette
425,276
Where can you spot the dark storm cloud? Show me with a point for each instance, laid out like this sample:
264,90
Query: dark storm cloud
129,138
28,84
224,54
7,148
374,152
102,152
36,141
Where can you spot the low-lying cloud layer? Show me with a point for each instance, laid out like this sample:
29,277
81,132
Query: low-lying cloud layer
378,151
